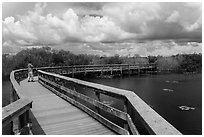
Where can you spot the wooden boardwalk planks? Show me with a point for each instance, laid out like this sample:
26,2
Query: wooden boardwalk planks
56,117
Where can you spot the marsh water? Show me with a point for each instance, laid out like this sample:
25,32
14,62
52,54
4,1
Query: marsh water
164,93
167,94
6,88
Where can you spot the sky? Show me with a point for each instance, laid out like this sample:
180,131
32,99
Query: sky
104,28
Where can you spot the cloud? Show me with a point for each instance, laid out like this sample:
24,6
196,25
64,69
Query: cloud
195,26
157,20
132,17
49,29
103,30
108,28
173,17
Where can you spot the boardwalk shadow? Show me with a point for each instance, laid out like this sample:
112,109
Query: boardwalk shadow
36,128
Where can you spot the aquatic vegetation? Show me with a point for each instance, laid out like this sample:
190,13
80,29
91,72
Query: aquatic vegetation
170,90
175,82
186,108
109,103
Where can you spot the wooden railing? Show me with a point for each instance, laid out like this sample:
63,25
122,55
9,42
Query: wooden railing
16,114
136,114
57,85
101,68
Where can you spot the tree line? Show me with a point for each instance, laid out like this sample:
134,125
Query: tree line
45,56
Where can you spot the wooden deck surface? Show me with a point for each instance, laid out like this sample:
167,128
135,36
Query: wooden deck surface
54,116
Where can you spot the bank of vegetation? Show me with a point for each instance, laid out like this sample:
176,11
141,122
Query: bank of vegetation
45,56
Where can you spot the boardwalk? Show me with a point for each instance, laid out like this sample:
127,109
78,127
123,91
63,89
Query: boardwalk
52,115
56,116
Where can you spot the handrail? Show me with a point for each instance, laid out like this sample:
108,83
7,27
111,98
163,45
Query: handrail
18,111
153,122
15,109
136,64
15,85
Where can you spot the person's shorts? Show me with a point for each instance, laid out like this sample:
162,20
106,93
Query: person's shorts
30,73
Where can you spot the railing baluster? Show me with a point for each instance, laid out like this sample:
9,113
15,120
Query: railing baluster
125,109
72,71
85,71
99,99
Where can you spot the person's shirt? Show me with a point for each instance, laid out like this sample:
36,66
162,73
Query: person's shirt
30,67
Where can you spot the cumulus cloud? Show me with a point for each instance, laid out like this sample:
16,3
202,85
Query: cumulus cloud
132,17
173,17
195,26
49,29
103,30
109,28
157,20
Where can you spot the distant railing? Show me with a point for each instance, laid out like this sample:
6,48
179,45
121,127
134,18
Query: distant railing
100,68
136,114
17,113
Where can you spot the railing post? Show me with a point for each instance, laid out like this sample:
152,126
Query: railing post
129,69
72,71
75,98
11,128
111,70
99,99
85,71
126,111
102,71
23,119
61,71
24,123
121,70
16,126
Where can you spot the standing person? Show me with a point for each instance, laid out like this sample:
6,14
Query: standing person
30,72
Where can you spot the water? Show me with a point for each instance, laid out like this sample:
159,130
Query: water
6,88
165,94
